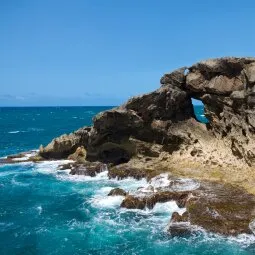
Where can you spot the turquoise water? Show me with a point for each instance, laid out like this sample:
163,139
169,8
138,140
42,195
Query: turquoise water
45,211
199,113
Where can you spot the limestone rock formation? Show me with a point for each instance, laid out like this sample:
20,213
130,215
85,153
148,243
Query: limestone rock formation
159,132
166,117
63,146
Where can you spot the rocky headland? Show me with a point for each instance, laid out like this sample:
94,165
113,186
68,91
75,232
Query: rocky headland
159,133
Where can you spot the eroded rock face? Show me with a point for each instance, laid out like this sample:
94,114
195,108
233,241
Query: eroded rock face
166,117
63,146
226,86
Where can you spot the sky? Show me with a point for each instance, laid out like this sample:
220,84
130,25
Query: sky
98,52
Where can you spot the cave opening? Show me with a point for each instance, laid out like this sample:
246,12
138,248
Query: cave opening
199,110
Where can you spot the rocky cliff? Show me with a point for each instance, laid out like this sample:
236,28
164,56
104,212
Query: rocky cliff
166,118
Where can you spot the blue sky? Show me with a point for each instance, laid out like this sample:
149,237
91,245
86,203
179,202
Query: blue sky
98,52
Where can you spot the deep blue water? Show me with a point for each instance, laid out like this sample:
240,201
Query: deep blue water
45,211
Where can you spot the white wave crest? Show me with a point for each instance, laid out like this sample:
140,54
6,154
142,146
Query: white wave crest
184,184
168,207
50,167
244,240
83,178
14,132
106,201
26,156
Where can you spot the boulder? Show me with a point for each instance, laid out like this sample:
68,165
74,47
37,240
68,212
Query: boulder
117,192
180,229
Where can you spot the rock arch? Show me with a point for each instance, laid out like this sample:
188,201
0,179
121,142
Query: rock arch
166,117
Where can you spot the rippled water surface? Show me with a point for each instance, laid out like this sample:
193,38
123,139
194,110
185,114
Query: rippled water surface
45,211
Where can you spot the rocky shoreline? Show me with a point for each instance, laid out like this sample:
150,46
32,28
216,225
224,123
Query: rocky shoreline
157,134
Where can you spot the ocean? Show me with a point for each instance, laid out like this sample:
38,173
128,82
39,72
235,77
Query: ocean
47,211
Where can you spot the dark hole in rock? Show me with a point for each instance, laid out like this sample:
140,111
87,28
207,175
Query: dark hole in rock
199,111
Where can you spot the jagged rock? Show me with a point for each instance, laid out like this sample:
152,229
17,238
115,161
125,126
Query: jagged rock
121,172
250,73
179,225
36,158
66,166
222,209
176,78
180,229
18,155
65,145
176,217
117,192
29,156
149,201
182,199
79,155
88,168
164,117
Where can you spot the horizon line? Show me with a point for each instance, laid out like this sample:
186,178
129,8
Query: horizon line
8,106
